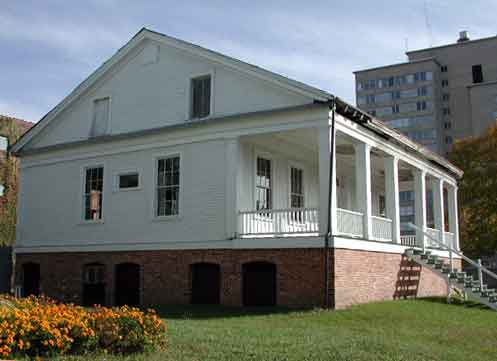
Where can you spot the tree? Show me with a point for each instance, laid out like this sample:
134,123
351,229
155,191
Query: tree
9,177
477,157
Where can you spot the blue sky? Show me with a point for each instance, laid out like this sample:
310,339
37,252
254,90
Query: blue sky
48,47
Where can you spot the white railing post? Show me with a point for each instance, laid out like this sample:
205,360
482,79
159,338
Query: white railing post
480,273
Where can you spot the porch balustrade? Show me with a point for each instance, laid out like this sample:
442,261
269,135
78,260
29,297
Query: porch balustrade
350,223
382,228
266,222
449,239
305,222
408,240
434,233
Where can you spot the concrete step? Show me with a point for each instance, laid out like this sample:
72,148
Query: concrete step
488,293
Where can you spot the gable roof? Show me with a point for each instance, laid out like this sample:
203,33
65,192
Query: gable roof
144,33
318,95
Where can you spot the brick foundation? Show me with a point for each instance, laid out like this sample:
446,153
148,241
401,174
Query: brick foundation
362,276
357,276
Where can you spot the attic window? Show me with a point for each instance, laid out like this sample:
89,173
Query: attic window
4,142
200,97
100,123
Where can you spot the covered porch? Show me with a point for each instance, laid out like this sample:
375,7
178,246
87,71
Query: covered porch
284,183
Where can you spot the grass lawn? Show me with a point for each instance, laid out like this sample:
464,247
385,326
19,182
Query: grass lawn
401,330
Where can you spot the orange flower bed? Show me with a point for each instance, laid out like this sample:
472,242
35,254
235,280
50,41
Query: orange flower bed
38,326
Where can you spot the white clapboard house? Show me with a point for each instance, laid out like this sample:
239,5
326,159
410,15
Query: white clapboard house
175,174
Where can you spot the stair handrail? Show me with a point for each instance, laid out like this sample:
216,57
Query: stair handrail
478,266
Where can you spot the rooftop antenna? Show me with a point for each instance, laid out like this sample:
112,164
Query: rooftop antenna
428,25
406,45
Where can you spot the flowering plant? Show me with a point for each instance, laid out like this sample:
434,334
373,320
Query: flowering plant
39,326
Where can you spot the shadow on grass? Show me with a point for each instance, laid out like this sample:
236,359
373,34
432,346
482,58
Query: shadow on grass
215,311
455,302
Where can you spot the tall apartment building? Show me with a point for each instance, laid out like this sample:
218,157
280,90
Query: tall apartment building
439,95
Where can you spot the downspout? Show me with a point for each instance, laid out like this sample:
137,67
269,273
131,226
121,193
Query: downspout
330,202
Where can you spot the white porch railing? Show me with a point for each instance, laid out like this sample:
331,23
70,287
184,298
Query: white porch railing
411,241
382,228
433,233
408,240
449,239
350,223
283,222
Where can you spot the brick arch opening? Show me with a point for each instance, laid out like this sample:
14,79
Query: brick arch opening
206,283
31,279
127,284
259,284
94,289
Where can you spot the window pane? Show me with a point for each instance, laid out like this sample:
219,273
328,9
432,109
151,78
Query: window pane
168,179
93,193
263,184
128,180
201,97
296,188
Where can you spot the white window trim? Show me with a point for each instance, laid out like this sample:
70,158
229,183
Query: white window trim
83,169
188,92
117,189
258,153
173,217
92,116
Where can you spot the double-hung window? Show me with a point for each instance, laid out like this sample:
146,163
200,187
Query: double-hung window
297,192
296,188
93,197
200,97
168,186
263,184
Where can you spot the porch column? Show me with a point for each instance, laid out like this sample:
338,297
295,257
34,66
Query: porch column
438,206
363,186
324,181
392,195
232,194
420,204
453,214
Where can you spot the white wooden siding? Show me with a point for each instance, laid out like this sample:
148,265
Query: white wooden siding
52,211
156,94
